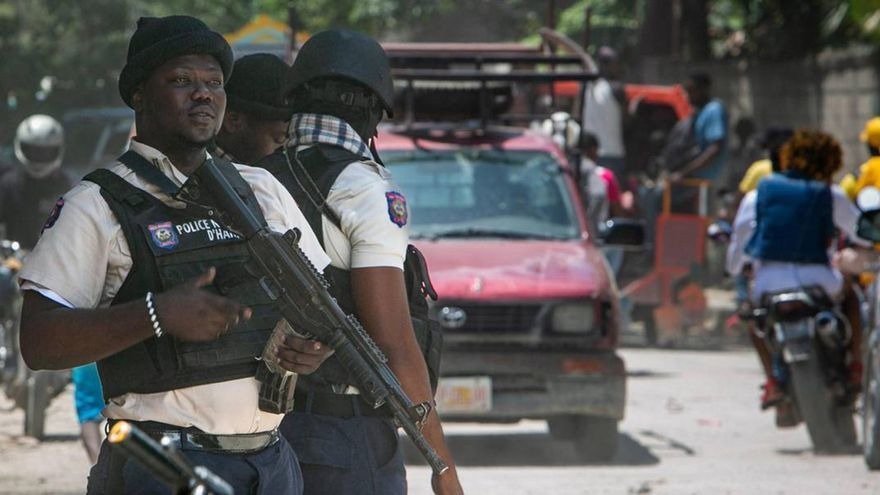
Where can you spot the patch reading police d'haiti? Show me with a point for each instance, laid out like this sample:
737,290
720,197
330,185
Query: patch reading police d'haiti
163,235
396,208
53,215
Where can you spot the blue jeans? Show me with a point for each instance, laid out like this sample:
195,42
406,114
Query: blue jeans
271,471
341,456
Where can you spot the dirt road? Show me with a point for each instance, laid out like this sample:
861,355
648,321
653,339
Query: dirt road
692,427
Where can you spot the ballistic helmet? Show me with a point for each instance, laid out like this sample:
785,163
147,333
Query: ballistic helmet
39,145
343,54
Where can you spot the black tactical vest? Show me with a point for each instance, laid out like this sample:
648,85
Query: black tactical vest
170,246
323,164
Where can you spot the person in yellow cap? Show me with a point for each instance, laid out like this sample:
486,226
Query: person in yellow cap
869,172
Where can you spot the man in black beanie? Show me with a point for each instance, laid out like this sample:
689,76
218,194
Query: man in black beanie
256,118
125,275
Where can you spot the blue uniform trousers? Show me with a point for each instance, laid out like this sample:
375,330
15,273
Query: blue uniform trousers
271,471
360,455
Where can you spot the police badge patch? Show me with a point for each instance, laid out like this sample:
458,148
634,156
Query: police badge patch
396,208
163,235
53,215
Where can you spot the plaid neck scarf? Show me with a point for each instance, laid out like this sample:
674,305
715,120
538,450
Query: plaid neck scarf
313,128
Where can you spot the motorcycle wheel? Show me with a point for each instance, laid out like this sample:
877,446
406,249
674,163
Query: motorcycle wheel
37,400
830,425
871,411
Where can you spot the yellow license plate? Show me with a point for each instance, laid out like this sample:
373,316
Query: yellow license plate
464,394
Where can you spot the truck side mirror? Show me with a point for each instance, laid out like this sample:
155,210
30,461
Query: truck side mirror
623,232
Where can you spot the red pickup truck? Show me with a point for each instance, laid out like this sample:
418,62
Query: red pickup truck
528,304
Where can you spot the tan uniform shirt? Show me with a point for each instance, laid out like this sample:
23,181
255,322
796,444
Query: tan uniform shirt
374,218
83,259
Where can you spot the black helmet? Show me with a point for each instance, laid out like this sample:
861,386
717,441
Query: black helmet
344,54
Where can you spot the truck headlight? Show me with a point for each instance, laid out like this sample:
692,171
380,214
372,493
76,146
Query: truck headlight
573,317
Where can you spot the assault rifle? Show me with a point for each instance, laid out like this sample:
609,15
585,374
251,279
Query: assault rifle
301,294
166,463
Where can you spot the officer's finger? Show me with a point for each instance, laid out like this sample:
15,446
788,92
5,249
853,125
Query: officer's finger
204,279
298,361
306,346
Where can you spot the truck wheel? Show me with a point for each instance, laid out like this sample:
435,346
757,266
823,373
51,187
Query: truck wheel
36,402
595,438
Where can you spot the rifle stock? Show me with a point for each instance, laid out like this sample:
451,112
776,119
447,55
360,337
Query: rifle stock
290,279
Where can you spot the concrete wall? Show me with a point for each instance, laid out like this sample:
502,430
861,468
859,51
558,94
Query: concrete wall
835,91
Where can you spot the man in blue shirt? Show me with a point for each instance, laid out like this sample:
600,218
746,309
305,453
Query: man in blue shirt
708,134
709,128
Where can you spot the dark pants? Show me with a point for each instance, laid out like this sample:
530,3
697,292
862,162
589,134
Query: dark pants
273,470
341,456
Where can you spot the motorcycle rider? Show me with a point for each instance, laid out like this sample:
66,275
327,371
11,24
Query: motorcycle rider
29,193
787,252
869,172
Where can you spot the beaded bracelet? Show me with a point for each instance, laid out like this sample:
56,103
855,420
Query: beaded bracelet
154,319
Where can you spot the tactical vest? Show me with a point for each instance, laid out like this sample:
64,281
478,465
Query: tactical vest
794,220
168,247
323,164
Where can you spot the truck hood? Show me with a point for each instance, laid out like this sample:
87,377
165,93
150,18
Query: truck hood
514,270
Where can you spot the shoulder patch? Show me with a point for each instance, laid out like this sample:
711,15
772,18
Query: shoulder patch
397,208
53,215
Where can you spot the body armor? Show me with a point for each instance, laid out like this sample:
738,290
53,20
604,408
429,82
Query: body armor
170,246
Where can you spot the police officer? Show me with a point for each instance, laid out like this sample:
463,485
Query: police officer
257,116
30,192
340,86
154,291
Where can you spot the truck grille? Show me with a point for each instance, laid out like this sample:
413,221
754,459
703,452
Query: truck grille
506,318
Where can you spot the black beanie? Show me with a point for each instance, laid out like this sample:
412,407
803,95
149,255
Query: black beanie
159,39
257,87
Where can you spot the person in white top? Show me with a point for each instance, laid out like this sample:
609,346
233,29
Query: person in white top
176,356
605,111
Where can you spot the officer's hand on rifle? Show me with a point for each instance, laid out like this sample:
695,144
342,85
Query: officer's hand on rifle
301,355
195,315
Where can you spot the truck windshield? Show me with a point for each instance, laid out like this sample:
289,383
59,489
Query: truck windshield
484,193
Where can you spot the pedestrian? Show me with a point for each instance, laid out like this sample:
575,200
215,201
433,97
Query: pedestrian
340,86
601,192
256,117
154,291
709,128
605,111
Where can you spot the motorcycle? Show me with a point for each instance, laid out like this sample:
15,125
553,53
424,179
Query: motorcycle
869,228
28,389
808,338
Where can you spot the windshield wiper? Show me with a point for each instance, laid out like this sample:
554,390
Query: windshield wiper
484,232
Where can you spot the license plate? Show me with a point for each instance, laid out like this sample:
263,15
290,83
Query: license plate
464,394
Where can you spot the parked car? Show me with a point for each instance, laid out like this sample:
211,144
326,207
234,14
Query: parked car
528,304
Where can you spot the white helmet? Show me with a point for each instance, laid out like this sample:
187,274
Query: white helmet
39,145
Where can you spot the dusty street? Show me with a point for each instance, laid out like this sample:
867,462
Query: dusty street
692,427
